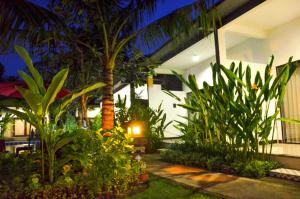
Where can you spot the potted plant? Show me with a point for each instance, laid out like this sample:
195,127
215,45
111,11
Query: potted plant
4,124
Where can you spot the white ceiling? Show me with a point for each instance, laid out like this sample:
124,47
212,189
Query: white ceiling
270,14
255,23
204,49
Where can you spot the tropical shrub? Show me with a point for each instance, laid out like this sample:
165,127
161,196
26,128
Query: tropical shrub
16,172
96,123
111,169
215,163
43,110
70,124
4,124
251,168
233,116
92,164
154,121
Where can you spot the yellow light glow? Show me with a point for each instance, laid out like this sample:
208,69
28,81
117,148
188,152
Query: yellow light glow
129,131
150,81
136,130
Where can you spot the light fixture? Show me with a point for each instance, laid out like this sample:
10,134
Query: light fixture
135,129
195,58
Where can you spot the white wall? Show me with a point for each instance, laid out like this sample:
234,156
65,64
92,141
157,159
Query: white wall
142,92
124,92
282,42
202,71
157,97
93,112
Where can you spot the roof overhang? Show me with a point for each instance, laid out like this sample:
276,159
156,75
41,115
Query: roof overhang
228,10
255,20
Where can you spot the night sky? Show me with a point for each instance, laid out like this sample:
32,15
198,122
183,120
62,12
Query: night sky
13,62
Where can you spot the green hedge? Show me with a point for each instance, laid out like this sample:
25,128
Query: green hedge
251,168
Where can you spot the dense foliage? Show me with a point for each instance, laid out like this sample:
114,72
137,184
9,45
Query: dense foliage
230,120
5,122
43,110
234,114
181,154
154,121
93,164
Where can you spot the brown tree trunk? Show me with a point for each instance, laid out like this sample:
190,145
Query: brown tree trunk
84,99
108,100
132,92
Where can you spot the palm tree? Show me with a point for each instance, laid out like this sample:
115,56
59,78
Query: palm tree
117,23
122,22
23,22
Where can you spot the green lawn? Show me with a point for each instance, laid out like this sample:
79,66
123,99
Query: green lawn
163,189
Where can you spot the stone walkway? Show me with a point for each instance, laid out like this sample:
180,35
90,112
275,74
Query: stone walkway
222,185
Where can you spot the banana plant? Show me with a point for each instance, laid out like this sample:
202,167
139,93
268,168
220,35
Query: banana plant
42,109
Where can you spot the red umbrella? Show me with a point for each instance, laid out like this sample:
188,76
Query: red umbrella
8,89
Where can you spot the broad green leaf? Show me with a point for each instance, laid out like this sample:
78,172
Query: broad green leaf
12,103
35,73
30,82
54,88
191,108
269,68
172,95
34,100
231,76
67,100
293,66
62,142
248,77
22,115
292,121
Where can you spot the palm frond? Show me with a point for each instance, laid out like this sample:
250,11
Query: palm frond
24,21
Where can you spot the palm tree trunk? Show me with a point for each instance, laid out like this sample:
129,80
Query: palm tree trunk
108,100
84,99
132,92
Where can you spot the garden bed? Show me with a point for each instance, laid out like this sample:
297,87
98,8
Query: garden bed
226,164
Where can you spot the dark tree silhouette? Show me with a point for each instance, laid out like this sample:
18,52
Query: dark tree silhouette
2,71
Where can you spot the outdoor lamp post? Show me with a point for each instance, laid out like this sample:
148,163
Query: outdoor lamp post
135,130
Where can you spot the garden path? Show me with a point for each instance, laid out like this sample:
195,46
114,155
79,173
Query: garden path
223,185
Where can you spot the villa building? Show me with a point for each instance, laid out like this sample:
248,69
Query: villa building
251,31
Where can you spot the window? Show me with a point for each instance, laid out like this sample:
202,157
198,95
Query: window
168,82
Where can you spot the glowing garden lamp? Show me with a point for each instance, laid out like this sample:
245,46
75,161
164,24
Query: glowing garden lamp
135,129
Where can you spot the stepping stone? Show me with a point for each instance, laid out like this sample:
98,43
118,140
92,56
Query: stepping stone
289,174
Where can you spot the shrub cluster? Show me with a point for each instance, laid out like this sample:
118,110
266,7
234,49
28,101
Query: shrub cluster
94,164
250,168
